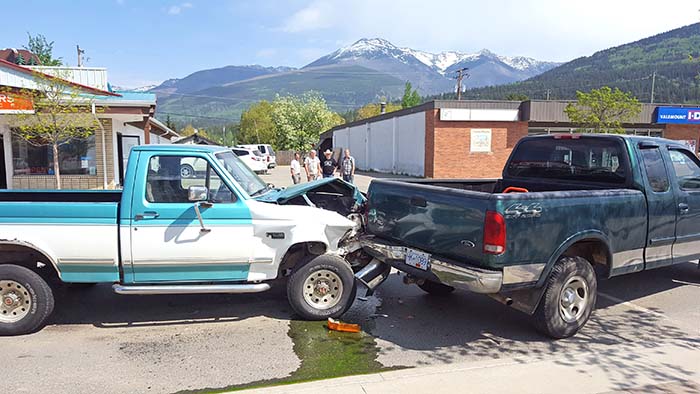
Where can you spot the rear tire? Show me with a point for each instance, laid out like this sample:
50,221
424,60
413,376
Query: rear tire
435,288
26,300
322,287
569,298
186,171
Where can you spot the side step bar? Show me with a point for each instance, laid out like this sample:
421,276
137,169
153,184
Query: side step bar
190,289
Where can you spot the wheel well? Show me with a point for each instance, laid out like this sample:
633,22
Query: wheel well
298,252
30,258
595,251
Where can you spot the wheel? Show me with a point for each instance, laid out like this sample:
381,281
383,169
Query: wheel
26,300
435,288
569,298
322,287
186,171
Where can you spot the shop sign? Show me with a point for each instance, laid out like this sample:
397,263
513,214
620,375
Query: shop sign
678,115
15,104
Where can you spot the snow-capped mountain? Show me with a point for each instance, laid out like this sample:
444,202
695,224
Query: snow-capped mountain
432,72
138,89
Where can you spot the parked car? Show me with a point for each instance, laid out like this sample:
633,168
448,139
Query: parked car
252,158
220,229
569,211
266,150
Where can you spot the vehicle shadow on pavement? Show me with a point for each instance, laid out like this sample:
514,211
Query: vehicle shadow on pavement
425,330
99,306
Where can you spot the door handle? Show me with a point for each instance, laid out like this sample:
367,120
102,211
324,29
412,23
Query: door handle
683,208
147,215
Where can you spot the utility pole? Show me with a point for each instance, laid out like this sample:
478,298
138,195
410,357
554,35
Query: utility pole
461,73
81,52
548,92
653,83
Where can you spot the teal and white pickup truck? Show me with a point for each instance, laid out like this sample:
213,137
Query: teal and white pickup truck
222,230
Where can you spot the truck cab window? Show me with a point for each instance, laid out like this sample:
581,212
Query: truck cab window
655,170
686,168
169,178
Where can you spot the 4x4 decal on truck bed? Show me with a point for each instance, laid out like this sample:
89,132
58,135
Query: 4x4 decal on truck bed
523,211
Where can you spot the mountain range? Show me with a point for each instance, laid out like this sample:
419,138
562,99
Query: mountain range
366,71
667,63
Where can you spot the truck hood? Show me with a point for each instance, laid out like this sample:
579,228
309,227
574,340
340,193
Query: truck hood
331,194
283,195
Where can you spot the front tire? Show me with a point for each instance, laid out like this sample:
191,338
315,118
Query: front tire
322,287
26,300
569,298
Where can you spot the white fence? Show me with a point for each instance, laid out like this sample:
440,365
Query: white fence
395,145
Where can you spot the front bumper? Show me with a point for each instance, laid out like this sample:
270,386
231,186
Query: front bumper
477,280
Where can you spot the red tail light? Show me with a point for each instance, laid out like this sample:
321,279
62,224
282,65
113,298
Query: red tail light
494,233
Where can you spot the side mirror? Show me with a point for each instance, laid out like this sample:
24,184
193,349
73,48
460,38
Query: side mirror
197,193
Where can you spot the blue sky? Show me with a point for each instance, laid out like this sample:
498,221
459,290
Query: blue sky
143,42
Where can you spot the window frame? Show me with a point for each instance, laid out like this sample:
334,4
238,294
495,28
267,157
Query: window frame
689,154
207,179
646,169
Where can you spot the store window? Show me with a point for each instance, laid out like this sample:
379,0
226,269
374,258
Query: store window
75,158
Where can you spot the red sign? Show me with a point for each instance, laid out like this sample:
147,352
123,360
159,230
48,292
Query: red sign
14,104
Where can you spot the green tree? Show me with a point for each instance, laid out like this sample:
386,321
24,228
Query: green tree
258,126
411,98
299,120
517,97
603,110
371,110
43,49
61,114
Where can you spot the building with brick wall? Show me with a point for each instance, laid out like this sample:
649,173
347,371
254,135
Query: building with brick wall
126,119
473,139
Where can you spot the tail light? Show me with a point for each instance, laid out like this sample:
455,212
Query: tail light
494,233
268,158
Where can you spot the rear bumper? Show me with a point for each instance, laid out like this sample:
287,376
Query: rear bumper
477,280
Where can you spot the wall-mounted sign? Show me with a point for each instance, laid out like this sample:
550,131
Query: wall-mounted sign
14,104
678,115
466,114
480,140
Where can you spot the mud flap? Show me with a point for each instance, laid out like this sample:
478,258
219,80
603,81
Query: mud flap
525,300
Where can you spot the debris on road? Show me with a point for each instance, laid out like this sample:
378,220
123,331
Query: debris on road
336,325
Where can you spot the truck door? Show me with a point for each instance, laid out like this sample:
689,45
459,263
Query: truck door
661,205
169,243
686,168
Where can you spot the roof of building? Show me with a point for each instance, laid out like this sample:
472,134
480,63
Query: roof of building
33,73
163,129
195,139
13,55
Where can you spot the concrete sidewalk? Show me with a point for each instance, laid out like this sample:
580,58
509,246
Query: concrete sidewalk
663,369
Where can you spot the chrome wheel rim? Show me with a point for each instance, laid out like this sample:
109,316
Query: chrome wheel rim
322,289
573,299
185,172
15,301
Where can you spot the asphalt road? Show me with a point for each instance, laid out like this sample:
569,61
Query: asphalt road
101,342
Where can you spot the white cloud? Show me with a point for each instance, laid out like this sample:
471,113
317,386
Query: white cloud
317,15
545,29
177,9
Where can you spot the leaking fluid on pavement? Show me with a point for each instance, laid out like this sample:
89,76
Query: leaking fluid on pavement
324,354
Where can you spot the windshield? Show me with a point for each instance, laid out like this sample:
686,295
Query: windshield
246,178
582,160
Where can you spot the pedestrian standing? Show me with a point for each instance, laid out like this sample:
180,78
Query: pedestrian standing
296,169
312,165
329,164
347,167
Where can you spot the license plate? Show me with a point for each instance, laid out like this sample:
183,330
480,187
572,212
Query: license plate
417,259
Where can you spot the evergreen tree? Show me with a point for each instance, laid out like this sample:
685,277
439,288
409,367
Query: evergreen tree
410,96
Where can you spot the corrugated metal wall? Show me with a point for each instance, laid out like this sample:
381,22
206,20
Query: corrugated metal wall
395,145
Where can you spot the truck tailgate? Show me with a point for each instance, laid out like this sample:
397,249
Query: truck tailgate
435,219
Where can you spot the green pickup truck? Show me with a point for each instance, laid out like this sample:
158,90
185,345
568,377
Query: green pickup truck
569,210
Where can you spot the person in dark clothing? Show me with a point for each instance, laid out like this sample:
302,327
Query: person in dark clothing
328,164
